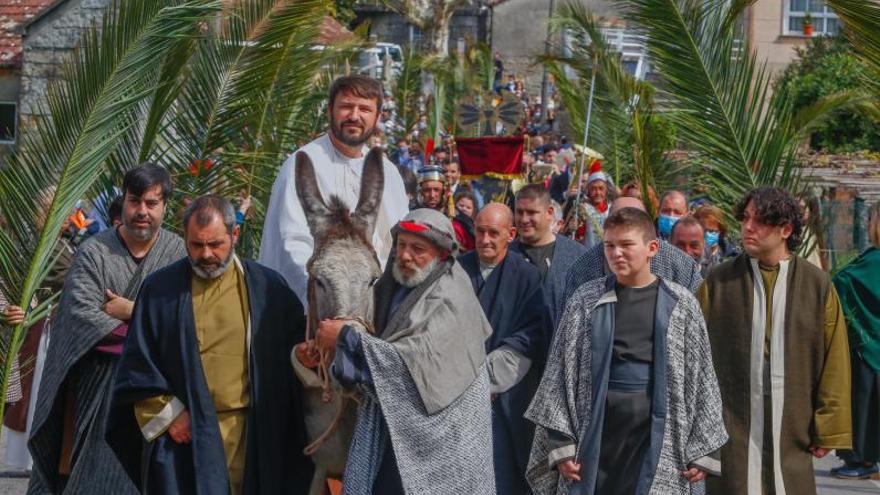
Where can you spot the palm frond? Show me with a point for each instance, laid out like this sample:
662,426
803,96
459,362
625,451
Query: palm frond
407,89
745,135
861,22
625,126
248,101
97,104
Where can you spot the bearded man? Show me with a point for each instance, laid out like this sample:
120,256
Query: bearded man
338,157
67,441
424,422
204,396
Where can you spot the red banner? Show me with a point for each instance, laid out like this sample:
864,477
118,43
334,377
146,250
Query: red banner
496,156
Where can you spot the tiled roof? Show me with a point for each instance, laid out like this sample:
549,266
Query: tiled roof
332,31
13,15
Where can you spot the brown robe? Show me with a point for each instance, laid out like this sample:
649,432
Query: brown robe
814,384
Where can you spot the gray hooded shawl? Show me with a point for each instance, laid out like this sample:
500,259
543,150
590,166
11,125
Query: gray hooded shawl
102,262
432,389
686,424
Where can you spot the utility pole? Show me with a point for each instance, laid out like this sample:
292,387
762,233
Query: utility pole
545,90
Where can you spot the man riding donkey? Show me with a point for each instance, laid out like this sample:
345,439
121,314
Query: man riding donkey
293,243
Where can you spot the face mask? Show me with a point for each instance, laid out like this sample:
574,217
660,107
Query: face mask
665,223
712,237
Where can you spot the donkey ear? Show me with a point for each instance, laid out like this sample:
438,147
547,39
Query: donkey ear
313,205
372,187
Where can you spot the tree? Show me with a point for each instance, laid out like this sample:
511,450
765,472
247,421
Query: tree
824,67
432,17
861,22
745,135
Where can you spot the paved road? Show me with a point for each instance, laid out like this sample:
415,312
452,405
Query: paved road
825,483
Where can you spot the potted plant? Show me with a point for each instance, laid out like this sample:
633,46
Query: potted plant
808,24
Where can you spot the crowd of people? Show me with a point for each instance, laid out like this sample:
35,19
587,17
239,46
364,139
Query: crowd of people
558,339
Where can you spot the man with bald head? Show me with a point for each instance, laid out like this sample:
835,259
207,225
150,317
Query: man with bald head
670,263
510,292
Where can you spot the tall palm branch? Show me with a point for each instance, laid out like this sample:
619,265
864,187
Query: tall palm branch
745,134
625,124
94,110
245,102
407,89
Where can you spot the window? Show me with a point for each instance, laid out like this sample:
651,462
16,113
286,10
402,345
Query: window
825,21
8,114
415,36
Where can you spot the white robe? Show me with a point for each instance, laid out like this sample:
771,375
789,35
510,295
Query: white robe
287,243
17,455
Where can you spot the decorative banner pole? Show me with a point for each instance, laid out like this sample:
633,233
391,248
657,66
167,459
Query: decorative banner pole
577,201
493,156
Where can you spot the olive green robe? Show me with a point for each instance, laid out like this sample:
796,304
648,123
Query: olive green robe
781,355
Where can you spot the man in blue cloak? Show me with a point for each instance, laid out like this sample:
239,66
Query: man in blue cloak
510,292
205,400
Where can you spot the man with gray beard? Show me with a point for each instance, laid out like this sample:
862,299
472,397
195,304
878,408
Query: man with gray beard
204,400
424,422
67,442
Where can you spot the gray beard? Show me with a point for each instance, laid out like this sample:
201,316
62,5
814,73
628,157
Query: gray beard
417,278
206,275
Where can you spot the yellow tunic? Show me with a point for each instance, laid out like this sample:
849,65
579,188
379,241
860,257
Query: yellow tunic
221,312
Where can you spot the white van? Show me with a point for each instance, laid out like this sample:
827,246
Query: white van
371,60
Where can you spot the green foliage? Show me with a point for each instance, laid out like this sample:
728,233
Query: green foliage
343,11
407,89
744,135
827,66
861,22
160,80
625,126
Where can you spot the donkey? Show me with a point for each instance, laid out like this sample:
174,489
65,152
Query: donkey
342,271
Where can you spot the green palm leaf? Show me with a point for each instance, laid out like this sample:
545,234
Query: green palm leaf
745,135
248,100
625,125
861,21
407,89
96,106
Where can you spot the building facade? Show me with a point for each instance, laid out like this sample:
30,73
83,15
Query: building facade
776,27
14,15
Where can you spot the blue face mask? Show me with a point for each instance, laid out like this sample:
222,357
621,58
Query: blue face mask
712,237
665,224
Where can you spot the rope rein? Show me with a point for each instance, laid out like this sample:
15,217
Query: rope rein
323,371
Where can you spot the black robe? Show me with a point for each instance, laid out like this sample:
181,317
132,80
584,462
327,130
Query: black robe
513,301
161,357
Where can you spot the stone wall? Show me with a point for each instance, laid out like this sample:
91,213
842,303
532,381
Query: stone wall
389,27
47,42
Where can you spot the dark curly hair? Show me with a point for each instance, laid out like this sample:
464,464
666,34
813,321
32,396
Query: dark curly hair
775,207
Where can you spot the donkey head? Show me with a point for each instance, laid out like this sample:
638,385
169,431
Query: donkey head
344,266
